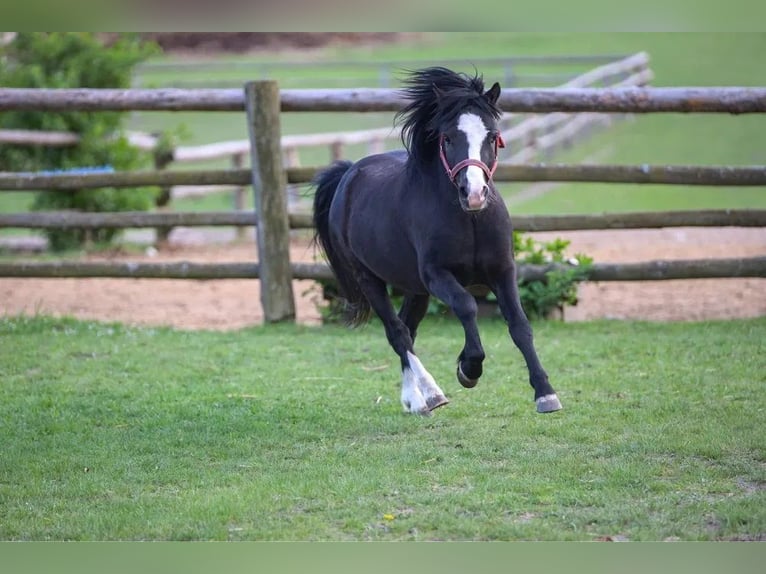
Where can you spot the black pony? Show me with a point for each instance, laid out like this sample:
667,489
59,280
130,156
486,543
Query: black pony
428,221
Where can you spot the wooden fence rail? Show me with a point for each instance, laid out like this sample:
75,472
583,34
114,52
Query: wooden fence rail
729,99
648,270
202,152
638,174
526,223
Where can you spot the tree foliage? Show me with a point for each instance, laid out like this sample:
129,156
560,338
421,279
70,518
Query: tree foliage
75,60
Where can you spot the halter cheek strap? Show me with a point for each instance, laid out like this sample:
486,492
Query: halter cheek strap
453,171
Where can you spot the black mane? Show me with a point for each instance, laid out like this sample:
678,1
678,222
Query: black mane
438,95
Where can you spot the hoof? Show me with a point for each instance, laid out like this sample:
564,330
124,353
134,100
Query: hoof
436,401
548,404
465,381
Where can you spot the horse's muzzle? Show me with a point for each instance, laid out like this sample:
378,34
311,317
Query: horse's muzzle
474,200
477,201
471,177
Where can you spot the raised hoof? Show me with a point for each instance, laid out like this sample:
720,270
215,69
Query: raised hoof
548,404
465,381
436,401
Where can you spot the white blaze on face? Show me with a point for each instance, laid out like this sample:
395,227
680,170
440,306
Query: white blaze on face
475,132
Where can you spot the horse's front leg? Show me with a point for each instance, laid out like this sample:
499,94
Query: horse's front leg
420,393
507,292
443,285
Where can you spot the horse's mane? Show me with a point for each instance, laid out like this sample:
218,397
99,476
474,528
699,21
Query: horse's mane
437,95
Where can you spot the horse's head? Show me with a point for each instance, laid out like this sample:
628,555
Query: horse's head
468,151
452,120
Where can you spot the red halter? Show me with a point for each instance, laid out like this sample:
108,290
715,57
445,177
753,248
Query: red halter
453,171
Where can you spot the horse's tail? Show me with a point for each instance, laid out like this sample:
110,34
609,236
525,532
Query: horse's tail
326,183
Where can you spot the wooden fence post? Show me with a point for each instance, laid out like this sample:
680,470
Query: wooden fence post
262,102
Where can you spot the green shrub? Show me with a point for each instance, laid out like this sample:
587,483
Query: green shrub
75,60
539,298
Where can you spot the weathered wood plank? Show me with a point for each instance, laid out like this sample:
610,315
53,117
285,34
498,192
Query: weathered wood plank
141,270
632,220
62,181
642,271
269,184
660,270
637,174
728,99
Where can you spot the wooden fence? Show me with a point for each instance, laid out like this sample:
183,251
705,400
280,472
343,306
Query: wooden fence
263,102
532,136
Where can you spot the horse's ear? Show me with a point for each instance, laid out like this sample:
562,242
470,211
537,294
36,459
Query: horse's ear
493,93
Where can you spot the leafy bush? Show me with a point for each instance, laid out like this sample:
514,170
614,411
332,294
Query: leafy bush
539,298
75,60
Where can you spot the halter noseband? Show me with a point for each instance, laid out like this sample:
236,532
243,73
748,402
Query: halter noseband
453,171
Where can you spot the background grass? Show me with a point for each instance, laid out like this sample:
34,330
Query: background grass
296,433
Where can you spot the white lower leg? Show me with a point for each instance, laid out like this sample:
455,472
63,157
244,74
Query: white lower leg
412,399
426,384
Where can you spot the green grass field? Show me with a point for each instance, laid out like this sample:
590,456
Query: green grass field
296,433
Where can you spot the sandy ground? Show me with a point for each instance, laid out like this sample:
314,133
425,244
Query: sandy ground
232,304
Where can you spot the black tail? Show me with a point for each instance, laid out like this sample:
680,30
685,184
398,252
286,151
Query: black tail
326,183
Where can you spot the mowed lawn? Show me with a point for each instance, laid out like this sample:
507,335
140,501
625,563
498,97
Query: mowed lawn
284,432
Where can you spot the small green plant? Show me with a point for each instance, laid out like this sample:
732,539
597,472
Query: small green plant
75,60
539,297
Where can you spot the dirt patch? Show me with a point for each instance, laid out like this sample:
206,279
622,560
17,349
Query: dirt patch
676,300
187,304
232,304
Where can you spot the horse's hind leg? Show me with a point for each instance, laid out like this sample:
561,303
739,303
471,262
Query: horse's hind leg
507,293
420,393
414,308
